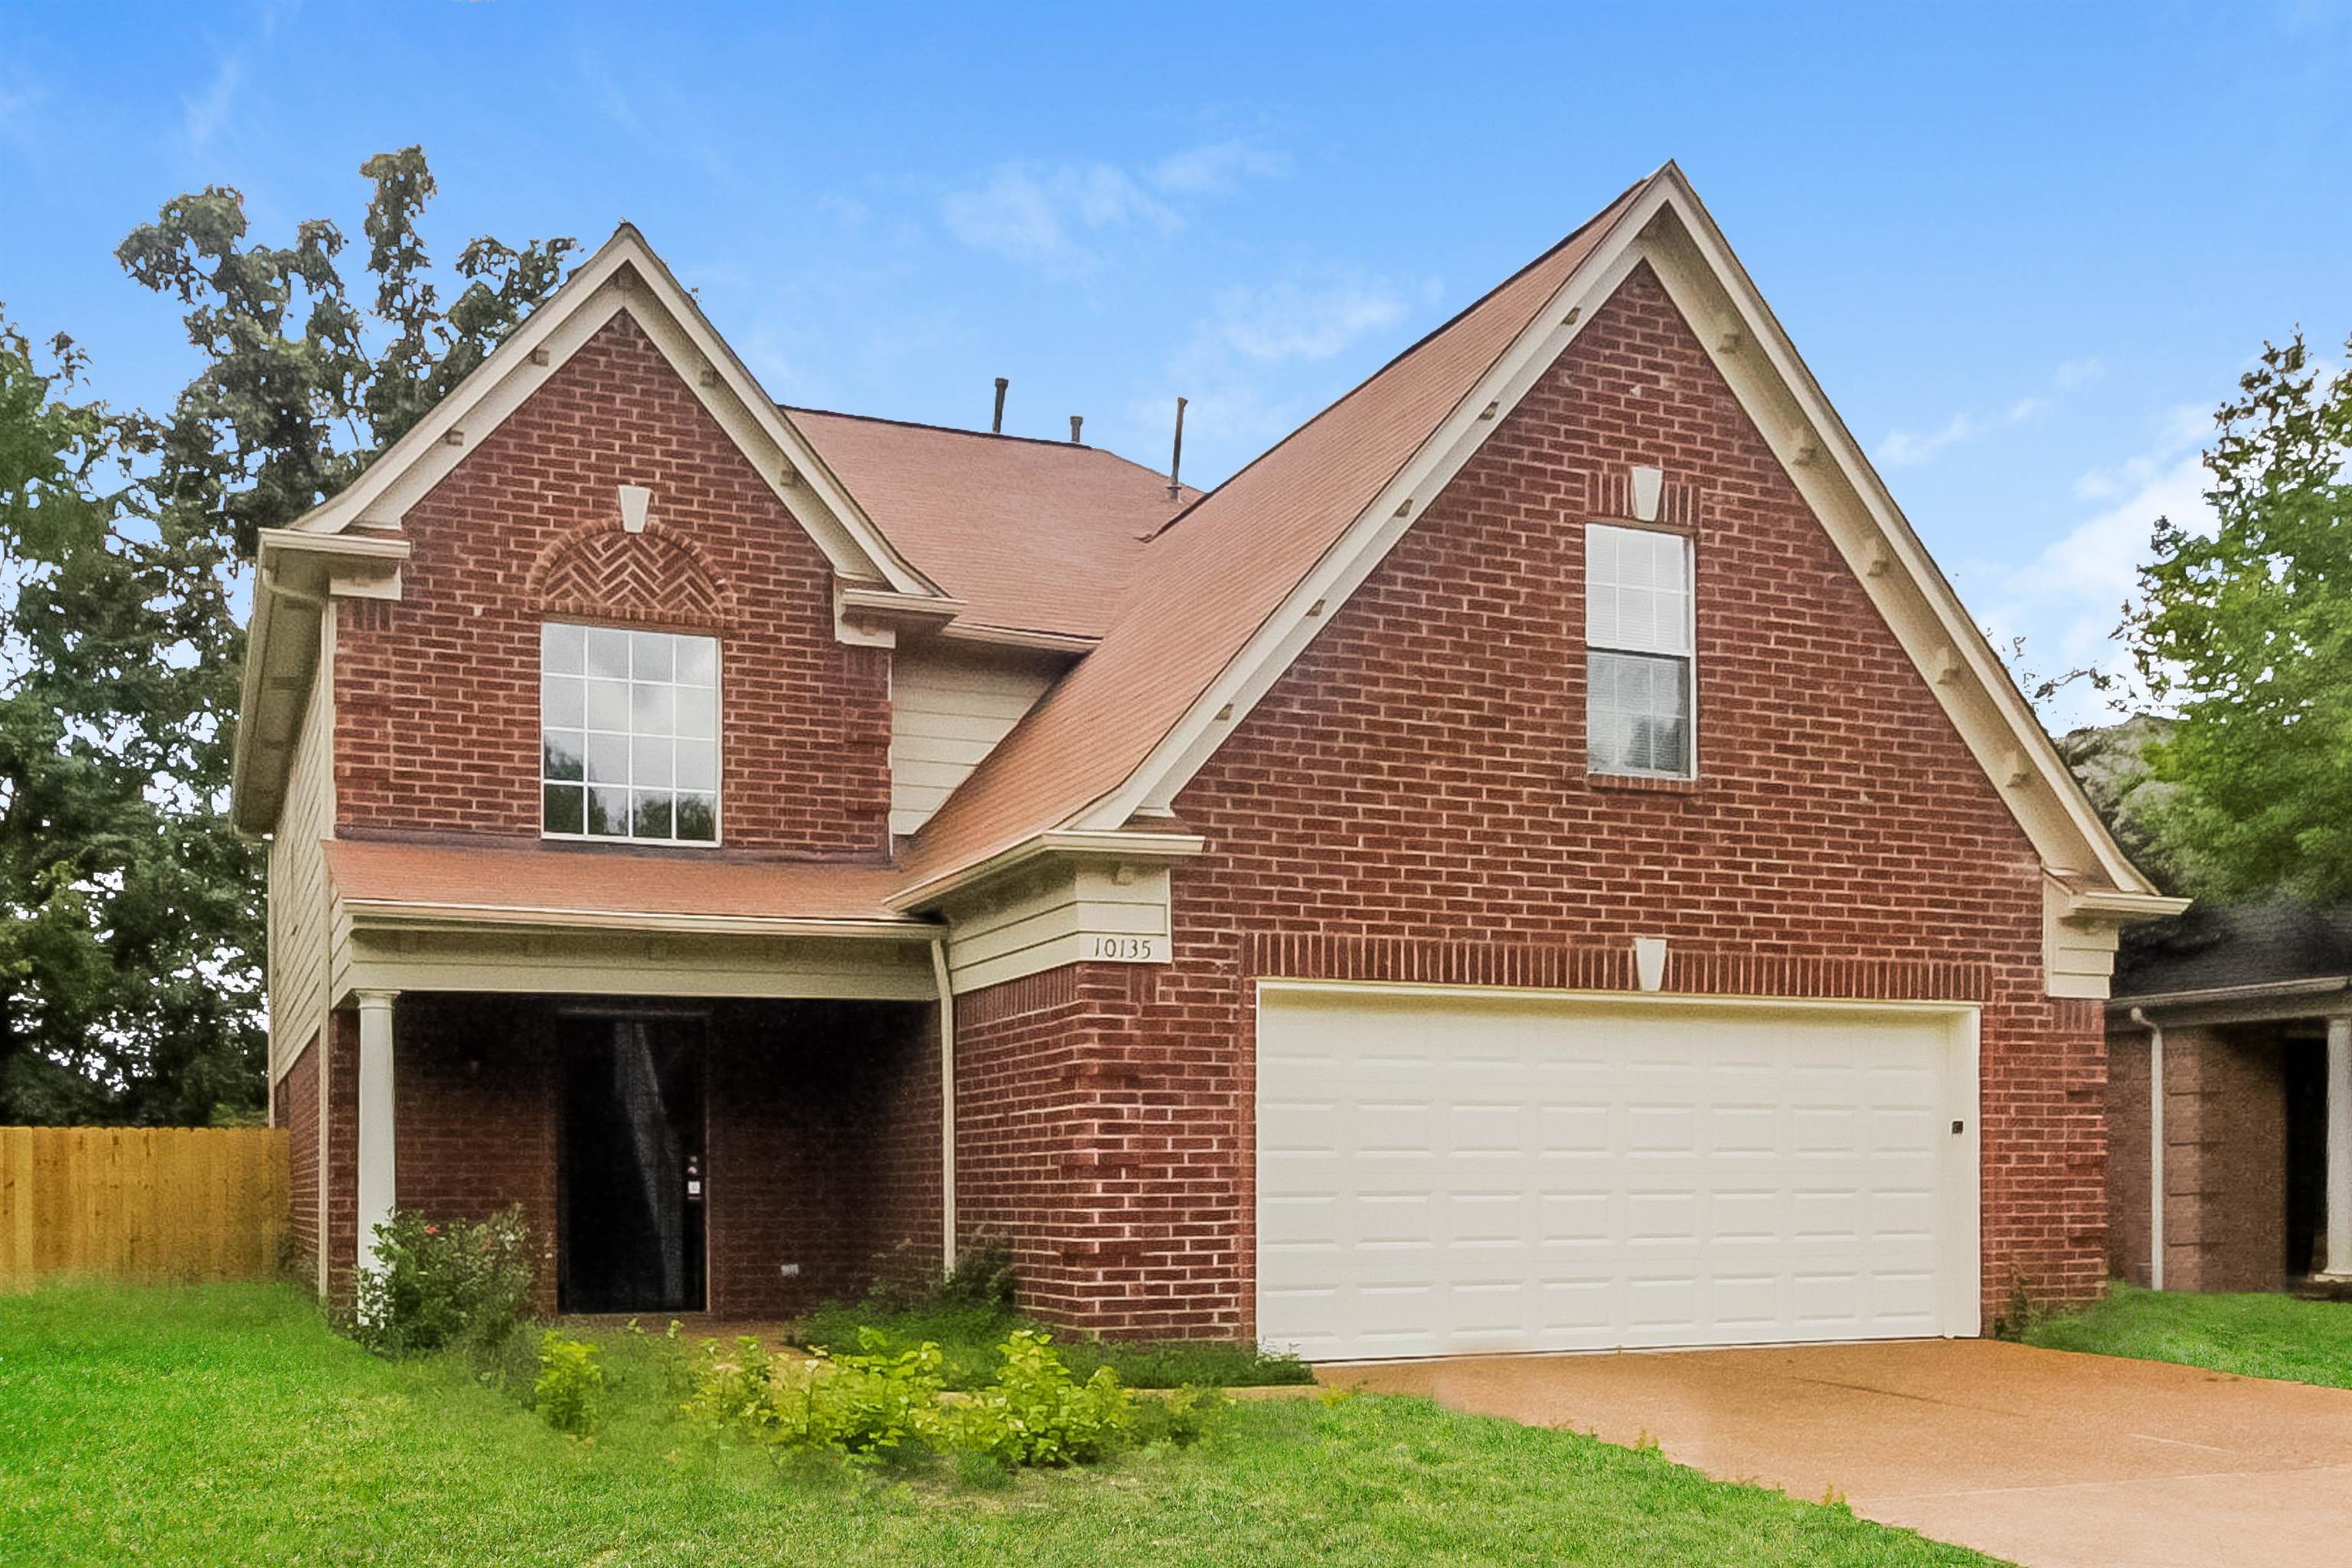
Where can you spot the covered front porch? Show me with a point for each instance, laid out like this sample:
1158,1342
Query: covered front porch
740,1109
742,1158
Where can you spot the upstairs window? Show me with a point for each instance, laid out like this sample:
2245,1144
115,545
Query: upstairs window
1637,634
628,735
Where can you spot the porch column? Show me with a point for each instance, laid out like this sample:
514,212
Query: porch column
376,1187
2338,1269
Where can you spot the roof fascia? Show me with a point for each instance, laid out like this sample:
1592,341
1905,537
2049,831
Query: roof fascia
1285,633
1067,844
2316,996
410,914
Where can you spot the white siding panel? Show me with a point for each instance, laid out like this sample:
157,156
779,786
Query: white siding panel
298,912
950,705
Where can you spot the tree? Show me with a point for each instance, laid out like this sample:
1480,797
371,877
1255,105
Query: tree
300,388
131,914
2246,634
126,914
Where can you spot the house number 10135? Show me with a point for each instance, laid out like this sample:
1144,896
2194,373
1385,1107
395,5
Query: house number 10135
1124,949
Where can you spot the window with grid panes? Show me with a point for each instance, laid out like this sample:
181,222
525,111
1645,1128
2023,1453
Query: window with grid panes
1638,659
628,735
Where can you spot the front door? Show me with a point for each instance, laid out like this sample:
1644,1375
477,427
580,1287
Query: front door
629,1177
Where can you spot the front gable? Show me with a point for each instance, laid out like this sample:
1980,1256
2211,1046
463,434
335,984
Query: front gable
437,692
1420,769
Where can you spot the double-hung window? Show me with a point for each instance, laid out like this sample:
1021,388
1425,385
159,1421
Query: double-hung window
1637,634
628,735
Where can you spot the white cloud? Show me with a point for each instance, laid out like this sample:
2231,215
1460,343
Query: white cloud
2182,429
1290,321
1909,449
200,116
1246,367
2076,372
1046,216
1219,166
1903,449
2070,597
1058,217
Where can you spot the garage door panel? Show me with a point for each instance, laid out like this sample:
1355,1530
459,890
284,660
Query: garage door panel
1473,1173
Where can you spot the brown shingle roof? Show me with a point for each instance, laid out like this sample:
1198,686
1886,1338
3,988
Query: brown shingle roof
1212,577
587,883
1033,536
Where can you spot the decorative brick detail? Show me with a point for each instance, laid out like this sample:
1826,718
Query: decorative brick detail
294,1105
1609,497
1409,803
604,573
436,694
1311,956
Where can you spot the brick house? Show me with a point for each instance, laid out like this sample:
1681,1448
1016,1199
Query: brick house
2229,1100
1539,860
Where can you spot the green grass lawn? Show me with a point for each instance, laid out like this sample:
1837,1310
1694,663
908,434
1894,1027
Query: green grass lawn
2256,1336
225,1425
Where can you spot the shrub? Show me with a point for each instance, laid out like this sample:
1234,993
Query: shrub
443,1285
883,1403
1036,1413
1181,1417
867,1406
569,1384
877,1402
981,1278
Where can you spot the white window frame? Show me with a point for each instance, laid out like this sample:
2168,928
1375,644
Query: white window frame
1689,656
717,745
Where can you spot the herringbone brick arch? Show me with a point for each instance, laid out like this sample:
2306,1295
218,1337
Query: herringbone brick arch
604,572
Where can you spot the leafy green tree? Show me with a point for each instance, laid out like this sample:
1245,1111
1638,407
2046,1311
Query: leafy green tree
2246,634
127,913
131,914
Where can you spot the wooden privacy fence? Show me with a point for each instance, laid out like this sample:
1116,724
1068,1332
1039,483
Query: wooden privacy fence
140,1203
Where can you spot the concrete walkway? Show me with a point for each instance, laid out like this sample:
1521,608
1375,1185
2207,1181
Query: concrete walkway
2049,1459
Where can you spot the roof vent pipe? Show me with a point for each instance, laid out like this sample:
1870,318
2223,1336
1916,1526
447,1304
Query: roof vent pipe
1075,421
1176,460
996,424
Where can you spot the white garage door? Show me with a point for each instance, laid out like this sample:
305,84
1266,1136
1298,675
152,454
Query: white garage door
1445,1172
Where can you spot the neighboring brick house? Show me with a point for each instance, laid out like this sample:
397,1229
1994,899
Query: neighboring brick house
2229,1100
1539,860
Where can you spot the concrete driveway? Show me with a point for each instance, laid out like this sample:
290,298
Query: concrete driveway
2050,1459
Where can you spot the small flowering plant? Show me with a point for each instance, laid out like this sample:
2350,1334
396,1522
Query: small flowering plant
434,1285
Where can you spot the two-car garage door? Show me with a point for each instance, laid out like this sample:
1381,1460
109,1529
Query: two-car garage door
1448,1172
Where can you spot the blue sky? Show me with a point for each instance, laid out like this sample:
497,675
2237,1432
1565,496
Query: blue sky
2025,249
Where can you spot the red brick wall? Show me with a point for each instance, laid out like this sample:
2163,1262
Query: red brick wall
2128,1144
294,1105
825,1151
1048,1074
474,1116
2224,1158
1411,799
438,694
